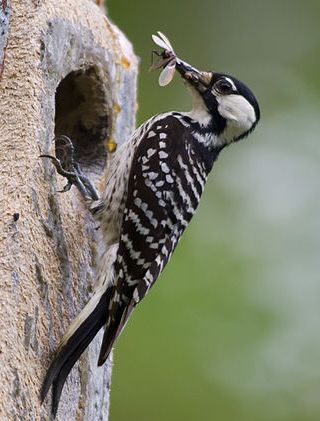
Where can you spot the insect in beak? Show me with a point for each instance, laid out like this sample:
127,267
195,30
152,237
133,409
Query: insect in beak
168,59
169,62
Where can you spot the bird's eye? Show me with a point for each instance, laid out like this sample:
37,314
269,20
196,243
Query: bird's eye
223,86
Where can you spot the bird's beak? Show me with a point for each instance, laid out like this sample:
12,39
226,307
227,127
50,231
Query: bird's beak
198,79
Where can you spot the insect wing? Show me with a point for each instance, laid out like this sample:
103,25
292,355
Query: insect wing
161,63
167,73
159,42
166,41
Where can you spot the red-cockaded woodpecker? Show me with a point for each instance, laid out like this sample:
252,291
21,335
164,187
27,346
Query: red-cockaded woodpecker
155,181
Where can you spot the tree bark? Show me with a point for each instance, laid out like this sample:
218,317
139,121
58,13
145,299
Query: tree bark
64,69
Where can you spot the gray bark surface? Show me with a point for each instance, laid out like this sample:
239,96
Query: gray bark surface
64,69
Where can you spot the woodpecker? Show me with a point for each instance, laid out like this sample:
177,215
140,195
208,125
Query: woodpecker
155,181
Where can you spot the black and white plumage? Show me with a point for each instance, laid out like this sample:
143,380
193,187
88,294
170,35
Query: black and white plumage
154,187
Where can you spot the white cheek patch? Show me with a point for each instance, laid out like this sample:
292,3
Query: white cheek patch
237,111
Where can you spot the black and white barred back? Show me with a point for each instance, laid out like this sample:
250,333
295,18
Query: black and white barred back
154,185
168,172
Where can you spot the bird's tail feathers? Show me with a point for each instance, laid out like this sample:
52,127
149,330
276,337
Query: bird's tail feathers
76,339
114,327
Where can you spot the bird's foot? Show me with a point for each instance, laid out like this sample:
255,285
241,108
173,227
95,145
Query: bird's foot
70,169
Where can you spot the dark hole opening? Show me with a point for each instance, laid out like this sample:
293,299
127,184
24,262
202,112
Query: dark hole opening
82,115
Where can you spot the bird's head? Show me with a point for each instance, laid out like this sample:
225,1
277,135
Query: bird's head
222,101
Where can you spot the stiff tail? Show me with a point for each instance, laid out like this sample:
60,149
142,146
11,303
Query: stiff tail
110,335
114,327
79,335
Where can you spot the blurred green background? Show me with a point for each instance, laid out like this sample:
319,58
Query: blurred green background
231,331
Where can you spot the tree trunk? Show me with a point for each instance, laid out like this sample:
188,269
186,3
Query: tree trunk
64,69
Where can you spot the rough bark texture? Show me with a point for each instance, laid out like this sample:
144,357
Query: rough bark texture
64,69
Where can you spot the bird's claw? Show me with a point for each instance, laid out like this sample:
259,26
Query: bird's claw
60,170
73,172
66,188
70,176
